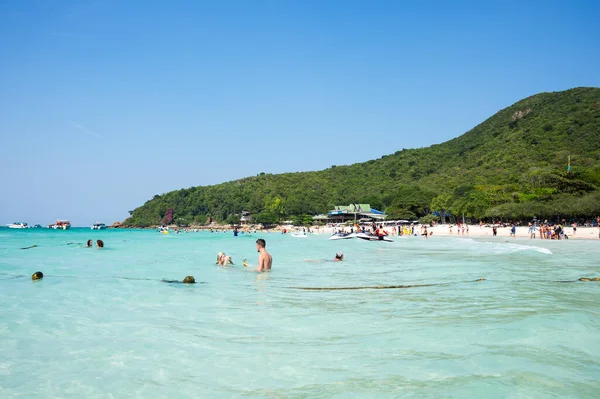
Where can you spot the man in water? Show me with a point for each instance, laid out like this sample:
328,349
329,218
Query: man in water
265,260
338,258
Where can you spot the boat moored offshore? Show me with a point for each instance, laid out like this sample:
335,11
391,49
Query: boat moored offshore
17,225
61,225
98,226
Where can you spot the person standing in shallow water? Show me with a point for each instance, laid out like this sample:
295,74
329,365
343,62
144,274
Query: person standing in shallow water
265,260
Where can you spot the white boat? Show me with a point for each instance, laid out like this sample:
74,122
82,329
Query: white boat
298,235
98,226
61,225
373,237
17,225
342,236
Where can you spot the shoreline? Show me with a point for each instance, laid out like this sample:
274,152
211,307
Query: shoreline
583,233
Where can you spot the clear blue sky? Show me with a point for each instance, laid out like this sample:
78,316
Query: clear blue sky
105,103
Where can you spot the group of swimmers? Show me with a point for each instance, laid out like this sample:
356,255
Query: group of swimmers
90,243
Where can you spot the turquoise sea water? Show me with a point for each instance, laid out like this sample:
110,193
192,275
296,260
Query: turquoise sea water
101,324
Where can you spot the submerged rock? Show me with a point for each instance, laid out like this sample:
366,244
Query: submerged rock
584,279
480,279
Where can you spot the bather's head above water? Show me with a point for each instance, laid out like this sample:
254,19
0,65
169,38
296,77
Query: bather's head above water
189,280
100,244
339,257
89,243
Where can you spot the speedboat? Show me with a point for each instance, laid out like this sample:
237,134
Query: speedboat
61,225
17,225
373,237
98,226
342,236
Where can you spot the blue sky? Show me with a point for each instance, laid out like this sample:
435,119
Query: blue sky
105,103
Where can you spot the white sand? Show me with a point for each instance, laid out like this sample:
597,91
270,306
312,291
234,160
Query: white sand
583,233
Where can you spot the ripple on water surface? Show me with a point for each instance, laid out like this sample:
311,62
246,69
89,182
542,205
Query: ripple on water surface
103,323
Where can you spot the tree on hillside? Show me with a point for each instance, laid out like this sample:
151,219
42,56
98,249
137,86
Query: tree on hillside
441,205
275,206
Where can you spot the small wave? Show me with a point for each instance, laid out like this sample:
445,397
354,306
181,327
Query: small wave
504,247
508,248
522,247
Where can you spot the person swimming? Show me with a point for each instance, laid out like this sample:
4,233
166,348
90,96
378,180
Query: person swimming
100,244
89,243
223,259
338,258
37,276
186,280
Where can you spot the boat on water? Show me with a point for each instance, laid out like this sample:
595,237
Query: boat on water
98,226
373,237
342,236
60,225
17,225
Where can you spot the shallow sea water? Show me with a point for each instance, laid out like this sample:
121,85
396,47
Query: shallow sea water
102,324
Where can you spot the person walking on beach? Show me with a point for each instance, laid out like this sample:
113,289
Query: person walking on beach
265,260
532,229
513,230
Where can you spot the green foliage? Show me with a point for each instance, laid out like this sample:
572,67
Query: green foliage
266,218
513,165
441,204
302,220
428,219
232,219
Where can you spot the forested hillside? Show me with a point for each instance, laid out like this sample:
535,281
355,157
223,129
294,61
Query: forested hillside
513,165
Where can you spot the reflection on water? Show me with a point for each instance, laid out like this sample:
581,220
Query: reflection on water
103,323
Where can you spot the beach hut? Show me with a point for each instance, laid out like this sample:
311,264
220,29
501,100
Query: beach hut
352,212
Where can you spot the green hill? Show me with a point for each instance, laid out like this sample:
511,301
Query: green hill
513,165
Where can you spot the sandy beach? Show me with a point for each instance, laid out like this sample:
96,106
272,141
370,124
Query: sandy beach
583,233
